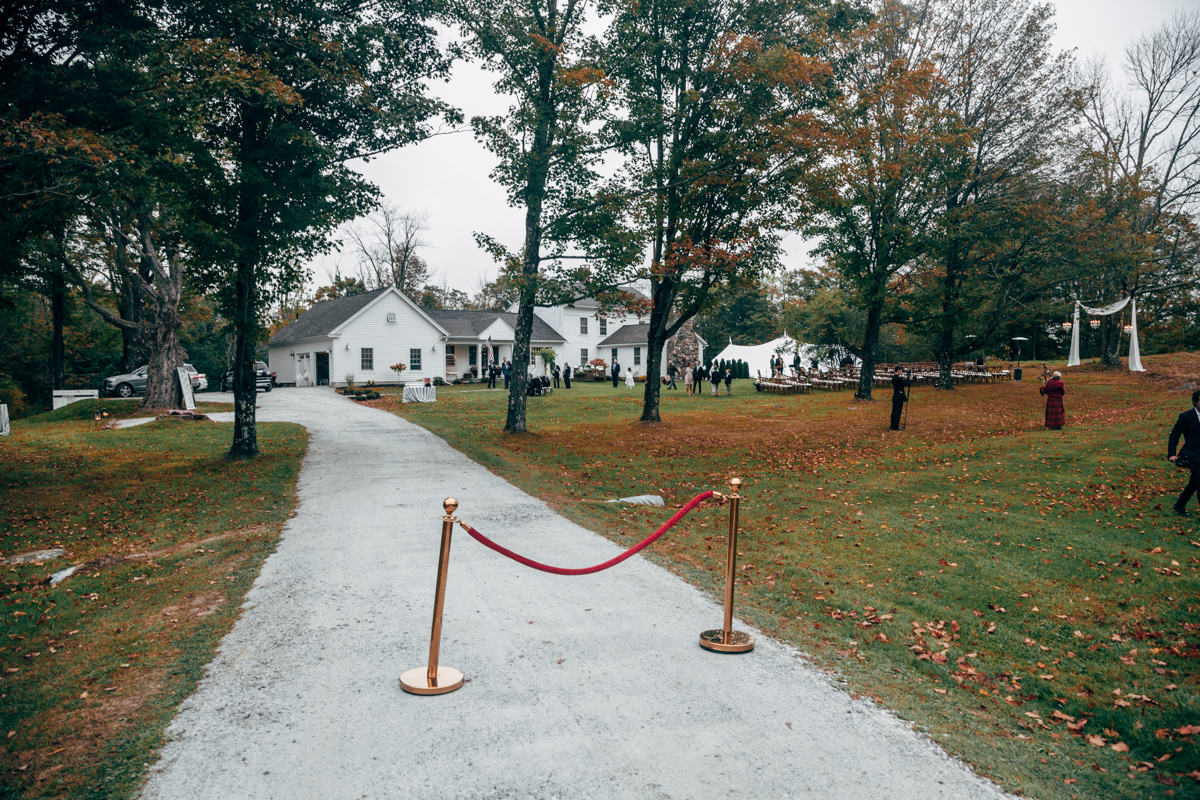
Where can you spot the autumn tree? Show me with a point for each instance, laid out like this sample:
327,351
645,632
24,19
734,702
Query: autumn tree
1138,177
335,80
544,144
876,198
718,137
1009,97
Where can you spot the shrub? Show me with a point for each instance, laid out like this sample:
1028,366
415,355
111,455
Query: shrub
437,381
12,396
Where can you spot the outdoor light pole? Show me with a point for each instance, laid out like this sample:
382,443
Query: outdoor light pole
1017,373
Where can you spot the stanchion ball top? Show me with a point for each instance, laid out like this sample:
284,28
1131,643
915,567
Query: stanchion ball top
451,505
736,483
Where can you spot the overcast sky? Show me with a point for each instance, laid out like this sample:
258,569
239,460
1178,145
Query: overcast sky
447,176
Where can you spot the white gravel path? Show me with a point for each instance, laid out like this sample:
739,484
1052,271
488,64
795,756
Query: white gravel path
580,687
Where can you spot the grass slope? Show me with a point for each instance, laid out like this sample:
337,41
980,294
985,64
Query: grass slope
1024,596
95,667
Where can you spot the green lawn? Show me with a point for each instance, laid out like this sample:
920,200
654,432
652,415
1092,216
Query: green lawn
95,667
1024,596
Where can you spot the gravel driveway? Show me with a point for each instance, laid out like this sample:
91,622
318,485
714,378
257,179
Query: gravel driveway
580,687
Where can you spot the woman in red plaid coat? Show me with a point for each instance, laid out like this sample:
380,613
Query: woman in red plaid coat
1054,391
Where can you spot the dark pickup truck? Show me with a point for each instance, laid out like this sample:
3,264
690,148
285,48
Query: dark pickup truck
263,378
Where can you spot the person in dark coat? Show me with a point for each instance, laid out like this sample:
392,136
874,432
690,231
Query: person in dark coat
1053,391
1187,426
557,372
714,377
671,374
491,376
616,372
796,365
567,373
899,397
507,371
729,381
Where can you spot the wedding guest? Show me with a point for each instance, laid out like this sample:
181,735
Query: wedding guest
1053,392
629,379
687,380
1187,426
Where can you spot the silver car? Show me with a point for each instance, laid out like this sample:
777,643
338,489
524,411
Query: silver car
134,383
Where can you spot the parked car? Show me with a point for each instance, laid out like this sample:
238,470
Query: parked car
134,383
263,378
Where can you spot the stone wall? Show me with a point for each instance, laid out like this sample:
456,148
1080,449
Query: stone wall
682,348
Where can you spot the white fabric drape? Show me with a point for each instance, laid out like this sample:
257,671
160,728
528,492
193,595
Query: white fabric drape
1135,356
1073,358
1104,312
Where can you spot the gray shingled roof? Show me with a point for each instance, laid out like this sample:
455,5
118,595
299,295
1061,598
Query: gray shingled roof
628,334
469,324
325,316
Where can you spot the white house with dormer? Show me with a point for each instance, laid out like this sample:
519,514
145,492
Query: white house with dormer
358,338
614,336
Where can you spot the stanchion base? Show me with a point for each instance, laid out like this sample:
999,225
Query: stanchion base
739,642
416,681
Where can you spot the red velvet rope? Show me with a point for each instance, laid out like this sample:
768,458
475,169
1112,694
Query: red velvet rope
612,562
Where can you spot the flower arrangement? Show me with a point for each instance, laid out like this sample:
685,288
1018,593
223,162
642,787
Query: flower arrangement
398,367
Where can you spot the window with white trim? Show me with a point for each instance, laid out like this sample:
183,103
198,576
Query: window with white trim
583,359
604,327
583,325
637,356
614,354
368,358
414,358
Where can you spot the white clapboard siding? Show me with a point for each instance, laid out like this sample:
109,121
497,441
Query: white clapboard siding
391,342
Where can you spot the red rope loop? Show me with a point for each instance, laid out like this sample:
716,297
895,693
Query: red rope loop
612,562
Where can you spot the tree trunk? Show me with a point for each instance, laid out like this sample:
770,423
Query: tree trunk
245,389
133,349
163,390
1110,353
945,345
656,338
866,378
58,313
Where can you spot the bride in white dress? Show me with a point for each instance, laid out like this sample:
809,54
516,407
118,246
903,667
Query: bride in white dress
629,381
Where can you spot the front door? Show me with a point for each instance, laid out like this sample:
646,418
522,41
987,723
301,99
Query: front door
304,376
322,369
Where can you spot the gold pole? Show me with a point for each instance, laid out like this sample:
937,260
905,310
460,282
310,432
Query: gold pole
726,639
435,679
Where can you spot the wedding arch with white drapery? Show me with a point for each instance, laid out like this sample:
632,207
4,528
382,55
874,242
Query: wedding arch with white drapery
1135,356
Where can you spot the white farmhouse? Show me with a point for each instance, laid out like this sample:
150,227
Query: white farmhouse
360,337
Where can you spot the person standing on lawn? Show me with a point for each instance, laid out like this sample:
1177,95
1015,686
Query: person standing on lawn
714,377
491,372
556,372
567,374
1053,392
1187,426
616,372
671,370
507,370
630,381
687,380
728,382
899,397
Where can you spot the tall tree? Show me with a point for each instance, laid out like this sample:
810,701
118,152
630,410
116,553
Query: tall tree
1141,166
339,79
387,243
718,137
876,198
1010,97
544,143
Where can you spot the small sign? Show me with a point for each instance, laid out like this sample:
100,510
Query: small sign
3,419
185,381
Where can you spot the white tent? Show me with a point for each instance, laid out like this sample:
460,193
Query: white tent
759,356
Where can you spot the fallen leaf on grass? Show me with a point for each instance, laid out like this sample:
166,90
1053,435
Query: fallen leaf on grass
1096,740
1120,747
940,691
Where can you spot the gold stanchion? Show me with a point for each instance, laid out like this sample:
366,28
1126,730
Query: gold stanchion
726,639
434,679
